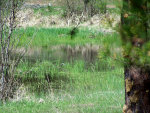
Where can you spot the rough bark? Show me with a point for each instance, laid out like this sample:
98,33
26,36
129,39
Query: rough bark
137,90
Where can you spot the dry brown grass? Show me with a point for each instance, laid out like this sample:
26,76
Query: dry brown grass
38,1
42,2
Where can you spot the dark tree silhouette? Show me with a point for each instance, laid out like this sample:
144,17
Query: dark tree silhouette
136,43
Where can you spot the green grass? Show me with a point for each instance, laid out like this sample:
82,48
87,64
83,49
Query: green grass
47,37
94,102
70,87
49,10
82,90
76,75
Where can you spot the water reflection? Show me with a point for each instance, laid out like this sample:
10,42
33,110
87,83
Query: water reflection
67,53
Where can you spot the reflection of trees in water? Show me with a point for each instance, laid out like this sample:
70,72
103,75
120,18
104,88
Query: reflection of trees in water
69,53
87,53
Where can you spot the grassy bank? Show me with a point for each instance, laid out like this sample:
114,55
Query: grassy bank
72,88
57,86
45,37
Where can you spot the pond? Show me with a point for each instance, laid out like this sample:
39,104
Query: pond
65,53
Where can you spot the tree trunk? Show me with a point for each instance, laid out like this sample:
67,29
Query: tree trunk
134,33
137,90
86,6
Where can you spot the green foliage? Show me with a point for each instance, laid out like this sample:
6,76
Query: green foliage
73,32
49,10
135,32
106,52
100,5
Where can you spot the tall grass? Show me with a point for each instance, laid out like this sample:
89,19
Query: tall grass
46,37
70,87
